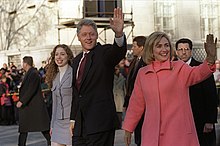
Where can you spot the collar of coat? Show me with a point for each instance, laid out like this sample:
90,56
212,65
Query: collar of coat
157,66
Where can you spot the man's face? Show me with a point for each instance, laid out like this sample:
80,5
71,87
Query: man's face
136,49
24,65
183,51
87,37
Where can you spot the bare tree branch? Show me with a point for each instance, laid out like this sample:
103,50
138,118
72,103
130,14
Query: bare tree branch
16,28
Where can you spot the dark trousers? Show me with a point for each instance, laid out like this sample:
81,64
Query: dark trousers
207,139
105,138
7,115
23,138
119,114
137,131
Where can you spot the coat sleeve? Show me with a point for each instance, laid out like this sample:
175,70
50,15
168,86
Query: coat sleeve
136,106
211,100
196,74
114,54
31,88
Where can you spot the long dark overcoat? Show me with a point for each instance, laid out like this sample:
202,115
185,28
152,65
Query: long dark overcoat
33,115
204,102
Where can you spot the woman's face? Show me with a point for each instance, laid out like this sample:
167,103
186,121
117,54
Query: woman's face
61,57
161,51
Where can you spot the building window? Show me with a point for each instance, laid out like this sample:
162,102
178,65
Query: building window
209,11
100,8
164,16
16,59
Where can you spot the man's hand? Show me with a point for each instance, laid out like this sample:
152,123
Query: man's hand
210,48
72,127
19,104
127,138
117,22
208,127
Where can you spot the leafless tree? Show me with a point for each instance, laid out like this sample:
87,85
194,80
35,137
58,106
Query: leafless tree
21,22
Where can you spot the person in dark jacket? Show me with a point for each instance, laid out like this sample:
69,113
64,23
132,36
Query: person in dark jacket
33,116
203,97
93,107
6,101
136,64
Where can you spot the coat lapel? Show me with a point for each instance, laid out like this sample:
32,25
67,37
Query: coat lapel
56,81
26,76
76,64
193,62
66,75
163,66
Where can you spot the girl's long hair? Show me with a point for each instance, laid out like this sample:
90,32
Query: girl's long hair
52,68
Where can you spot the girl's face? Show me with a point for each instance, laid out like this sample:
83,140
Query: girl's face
161,51
61,57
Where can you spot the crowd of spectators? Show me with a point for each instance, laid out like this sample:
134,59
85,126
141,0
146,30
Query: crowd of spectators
10,80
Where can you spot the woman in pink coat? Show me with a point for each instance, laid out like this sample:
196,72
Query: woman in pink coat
161,90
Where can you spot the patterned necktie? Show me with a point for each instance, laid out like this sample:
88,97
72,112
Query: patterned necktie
81,71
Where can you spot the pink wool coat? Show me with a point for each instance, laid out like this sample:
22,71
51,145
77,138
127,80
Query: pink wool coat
163,94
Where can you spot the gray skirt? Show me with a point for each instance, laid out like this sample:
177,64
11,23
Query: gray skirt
61,133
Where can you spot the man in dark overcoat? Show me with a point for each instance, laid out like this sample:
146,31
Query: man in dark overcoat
203,98
33,116
93,107
136,63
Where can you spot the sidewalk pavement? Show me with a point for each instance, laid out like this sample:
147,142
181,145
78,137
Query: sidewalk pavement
9,137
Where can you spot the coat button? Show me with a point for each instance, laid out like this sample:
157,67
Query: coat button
80,96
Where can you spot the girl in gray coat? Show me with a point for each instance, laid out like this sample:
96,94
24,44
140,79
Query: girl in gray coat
59,77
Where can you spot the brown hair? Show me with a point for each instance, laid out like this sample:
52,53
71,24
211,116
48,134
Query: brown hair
52,68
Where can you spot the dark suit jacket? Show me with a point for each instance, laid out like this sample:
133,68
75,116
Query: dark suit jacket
131,79
33,115
204,102
93,105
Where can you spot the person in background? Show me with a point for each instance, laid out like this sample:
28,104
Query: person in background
15,75
136,64
119,92
5,66
93,114
33,116
6,102
42,70
217,73
59,77
203,97
161,92
122,66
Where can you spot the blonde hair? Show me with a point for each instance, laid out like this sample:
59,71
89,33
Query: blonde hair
152,40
